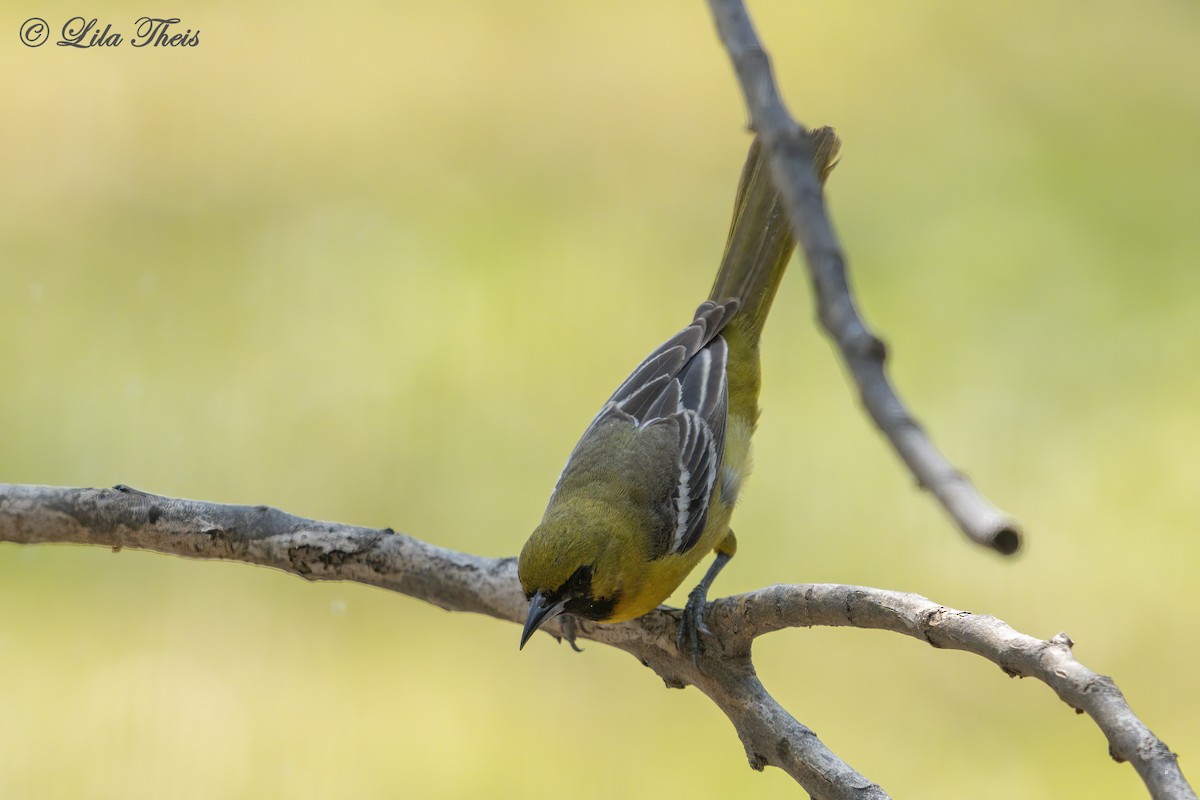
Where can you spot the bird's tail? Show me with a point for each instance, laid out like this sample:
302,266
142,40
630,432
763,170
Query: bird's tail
760,239
757,251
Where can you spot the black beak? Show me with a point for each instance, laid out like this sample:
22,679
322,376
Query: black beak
541,611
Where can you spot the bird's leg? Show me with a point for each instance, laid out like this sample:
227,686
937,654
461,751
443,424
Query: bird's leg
691,624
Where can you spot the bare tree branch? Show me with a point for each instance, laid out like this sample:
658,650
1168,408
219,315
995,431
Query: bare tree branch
123,517
790,150
1019,655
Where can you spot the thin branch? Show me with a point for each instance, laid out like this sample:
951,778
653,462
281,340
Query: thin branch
788,145
751,615
123,517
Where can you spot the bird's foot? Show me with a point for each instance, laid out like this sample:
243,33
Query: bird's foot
691,625
566,624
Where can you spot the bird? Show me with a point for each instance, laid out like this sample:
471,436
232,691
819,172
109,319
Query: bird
650,488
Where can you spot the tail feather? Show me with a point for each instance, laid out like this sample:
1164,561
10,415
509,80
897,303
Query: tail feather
760,240
757,251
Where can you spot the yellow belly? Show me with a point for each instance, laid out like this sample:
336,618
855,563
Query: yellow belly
664,575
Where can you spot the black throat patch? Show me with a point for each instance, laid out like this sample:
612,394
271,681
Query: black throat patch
580,601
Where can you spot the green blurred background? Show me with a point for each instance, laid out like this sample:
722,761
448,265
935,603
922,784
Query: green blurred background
380,263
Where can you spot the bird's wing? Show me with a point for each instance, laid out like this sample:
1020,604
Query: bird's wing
700,416
683,385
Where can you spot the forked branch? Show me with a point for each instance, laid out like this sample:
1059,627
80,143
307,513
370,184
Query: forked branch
122,517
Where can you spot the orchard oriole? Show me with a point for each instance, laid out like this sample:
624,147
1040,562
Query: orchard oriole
650,487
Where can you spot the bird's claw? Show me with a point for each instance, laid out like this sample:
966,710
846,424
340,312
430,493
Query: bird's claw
566,624
692,627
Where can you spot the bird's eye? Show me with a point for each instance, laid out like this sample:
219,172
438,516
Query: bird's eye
579,584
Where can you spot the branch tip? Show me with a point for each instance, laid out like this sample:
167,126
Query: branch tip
790,152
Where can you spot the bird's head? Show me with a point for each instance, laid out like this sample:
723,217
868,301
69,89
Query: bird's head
569,565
